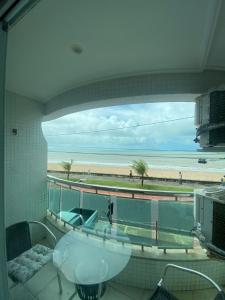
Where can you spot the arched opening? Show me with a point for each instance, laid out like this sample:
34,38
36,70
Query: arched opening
101,146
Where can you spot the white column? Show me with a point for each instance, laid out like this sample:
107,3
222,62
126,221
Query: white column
3,274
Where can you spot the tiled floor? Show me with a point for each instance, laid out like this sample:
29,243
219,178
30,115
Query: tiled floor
44,286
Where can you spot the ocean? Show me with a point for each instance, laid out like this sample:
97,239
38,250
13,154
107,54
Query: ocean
173,160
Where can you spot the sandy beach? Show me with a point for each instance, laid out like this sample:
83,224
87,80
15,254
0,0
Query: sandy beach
157,173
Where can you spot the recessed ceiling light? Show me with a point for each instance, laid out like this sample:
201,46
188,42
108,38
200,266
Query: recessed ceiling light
77,48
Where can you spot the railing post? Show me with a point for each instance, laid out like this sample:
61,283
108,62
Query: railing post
81,199
49,188
156,231
60,200
154,216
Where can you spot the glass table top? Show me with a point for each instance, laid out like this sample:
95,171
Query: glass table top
85,257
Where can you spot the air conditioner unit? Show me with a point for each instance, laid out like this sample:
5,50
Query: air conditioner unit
210,120
209,212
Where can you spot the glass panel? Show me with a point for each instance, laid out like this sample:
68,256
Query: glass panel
176,220
70,199
54,198
134,218
94,209
69,207
96,202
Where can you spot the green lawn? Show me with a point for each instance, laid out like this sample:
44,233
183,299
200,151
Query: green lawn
136,185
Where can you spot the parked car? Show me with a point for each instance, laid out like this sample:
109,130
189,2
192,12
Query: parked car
202,161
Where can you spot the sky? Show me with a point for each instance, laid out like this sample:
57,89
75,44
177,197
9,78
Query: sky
176,135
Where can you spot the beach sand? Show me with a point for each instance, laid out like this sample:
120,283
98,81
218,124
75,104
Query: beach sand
156,173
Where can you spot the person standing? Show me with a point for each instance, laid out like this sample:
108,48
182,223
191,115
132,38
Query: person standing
130,175
110,211
180,178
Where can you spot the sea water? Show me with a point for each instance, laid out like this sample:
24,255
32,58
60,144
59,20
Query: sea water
173,160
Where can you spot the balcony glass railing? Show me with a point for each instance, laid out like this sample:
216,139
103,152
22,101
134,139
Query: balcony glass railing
175,222
163,223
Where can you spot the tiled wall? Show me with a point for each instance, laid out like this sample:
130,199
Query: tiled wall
26,160
133,89
145,273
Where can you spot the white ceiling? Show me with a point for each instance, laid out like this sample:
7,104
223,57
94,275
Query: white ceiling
119,38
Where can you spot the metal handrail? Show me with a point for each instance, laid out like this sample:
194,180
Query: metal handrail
46,228
189,271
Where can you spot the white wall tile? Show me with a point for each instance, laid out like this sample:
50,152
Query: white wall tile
26,160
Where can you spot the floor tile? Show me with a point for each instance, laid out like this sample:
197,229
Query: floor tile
20,293
51,291
41,279
183,295
146,294
113,294
207,294
130,292
44,286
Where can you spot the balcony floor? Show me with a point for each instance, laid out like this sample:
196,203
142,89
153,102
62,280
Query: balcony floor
44,286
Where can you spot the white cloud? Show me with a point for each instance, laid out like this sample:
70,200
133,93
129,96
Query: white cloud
154,136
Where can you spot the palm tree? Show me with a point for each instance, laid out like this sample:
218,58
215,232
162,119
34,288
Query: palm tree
67,167
141,168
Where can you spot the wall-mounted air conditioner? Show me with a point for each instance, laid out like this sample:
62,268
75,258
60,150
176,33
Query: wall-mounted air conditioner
210,120
210,218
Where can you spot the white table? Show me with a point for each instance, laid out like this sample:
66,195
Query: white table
87,259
